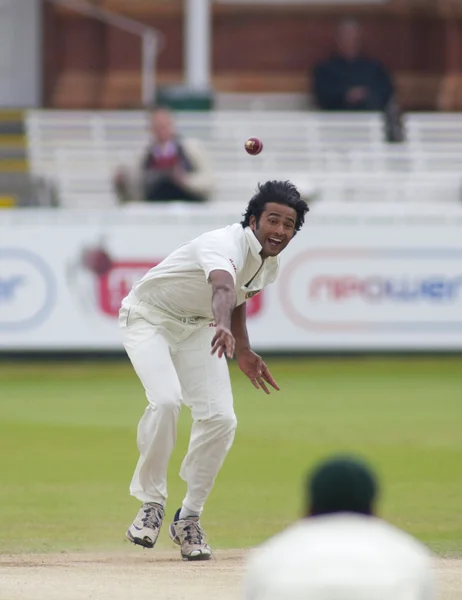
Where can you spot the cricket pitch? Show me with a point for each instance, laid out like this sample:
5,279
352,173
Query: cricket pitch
161,575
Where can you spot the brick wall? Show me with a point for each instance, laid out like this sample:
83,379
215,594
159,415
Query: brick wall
85,61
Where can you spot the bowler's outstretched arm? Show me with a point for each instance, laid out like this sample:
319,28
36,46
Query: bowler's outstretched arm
223,303
249,362
239,328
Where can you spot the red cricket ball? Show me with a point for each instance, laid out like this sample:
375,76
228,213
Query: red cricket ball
253,146
97,260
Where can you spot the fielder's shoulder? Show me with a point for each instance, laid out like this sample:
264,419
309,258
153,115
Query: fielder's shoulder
404,539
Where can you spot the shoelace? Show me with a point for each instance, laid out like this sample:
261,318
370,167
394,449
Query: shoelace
152,518
194,533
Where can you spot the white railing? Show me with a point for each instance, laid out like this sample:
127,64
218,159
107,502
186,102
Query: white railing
341,156
151,40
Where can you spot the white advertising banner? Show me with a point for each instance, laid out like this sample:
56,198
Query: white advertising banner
355,278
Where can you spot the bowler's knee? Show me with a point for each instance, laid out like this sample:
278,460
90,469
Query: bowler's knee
165,403
226,423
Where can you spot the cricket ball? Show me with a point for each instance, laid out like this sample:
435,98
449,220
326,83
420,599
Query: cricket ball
97,260
253,146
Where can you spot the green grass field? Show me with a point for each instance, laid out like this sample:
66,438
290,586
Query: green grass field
67,442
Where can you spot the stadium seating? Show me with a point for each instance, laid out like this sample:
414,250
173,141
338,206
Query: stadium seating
341,156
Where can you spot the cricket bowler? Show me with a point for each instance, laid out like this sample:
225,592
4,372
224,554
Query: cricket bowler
341,550
180,323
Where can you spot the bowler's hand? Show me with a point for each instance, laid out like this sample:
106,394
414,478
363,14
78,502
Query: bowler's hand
256,370
223,342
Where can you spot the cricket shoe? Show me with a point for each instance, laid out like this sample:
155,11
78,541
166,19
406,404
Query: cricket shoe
144,530
189,534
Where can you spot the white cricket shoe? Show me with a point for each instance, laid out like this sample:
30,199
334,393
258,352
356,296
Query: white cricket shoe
189,534
145,529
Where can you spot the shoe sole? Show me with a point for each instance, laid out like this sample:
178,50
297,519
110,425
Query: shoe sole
196,558
139,541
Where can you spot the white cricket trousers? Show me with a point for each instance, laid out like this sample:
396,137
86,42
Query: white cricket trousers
172,359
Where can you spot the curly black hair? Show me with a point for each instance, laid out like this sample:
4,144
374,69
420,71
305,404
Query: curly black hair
281,192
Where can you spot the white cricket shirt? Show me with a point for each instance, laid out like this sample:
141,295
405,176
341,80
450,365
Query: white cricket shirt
180,284
340,557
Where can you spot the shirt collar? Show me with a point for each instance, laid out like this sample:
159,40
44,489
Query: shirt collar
254,244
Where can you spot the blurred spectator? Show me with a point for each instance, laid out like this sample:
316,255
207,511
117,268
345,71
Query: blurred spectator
350,80
341,549
170,169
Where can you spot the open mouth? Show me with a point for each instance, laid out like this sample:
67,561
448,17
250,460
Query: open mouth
274,243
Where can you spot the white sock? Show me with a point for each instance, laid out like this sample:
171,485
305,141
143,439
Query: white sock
187,512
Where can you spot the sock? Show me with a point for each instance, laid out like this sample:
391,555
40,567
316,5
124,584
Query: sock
187,512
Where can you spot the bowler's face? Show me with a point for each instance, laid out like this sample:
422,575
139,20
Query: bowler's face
275,228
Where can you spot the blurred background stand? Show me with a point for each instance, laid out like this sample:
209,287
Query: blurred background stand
182,97
151,40
196,93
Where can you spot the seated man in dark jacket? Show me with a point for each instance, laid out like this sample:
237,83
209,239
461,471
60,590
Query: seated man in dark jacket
349,80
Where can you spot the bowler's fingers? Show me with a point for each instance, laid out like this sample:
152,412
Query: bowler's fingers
254,383
258,383
229,345
261,383
269,378
223,344
216,346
